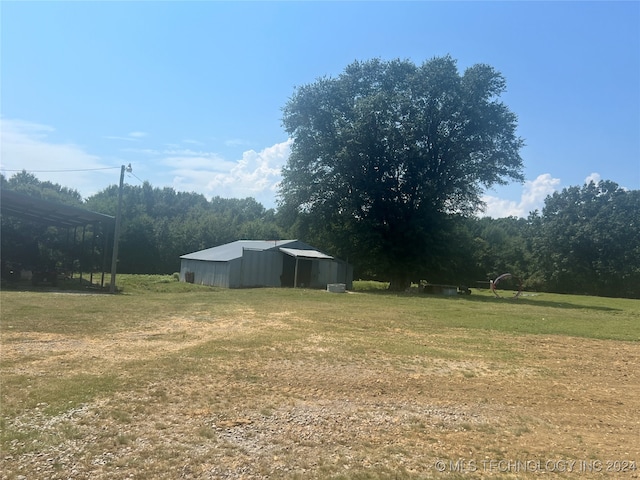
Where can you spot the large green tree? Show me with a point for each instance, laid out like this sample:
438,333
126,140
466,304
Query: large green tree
383,154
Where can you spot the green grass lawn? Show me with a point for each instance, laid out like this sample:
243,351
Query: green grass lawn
368,304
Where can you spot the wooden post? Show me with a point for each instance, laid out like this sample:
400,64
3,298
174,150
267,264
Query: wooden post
116,233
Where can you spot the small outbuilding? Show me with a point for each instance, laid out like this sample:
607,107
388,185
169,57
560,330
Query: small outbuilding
264,263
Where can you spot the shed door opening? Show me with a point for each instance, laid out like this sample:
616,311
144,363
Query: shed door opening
288,271
304,272
296,271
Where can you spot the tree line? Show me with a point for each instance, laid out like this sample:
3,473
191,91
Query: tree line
584,241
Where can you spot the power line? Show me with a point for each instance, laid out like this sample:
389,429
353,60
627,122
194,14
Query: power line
59,171
72,170
134,175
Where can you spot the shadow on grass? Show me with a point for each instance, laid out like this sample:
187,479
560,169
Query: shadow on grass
541,303
506,297
73,285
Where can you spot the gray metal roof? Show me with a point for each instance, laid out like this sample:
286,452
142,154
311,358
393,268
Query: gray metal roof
230,251
47,212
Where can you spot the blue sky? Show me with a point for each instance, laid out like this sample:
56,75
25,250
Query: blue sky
190,93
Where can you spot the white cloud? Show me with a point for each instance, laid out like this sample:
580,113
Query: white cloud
235,142
198,163
192,142
116,137
28,146
256,174
593,177
533,194
131,137
171,150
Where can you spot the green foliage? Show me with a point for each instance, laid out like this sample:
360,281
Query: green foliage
369,286
27,184
586,240
500,246
383,154
159,224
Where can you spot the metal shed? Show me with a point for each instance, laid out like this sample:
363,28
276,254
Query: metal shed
264,263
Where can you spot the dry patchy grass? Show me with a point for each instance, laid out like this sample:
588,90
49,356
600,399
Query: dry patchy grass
305,384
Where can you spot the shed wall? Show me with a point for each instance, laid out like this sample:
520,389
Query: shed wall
235,273
323,273
261,269
215,274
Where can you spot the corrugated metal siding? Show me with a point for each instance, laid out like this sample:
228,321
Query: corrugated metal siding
322,273
261,268
235,273
215,274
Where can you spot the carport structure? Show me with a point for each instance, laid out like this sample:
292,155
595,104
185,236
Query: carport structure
87,226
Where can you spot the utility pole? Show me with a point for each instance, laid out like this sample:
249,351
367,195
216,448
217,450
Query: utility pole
116,231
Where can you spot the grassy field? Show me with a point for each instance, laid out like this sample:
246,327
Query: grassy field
169,380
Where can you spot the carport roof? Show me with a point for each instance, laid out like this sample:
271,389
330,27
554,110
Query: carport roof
295,252
45,211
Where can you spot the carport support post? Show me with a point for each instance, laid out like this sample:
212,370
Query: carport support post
295,275
116,234
105,249
82,262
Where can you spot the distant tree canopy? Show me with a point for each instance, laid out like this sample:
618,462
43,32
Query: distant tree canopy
386,153
160,224
28,184
587,240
